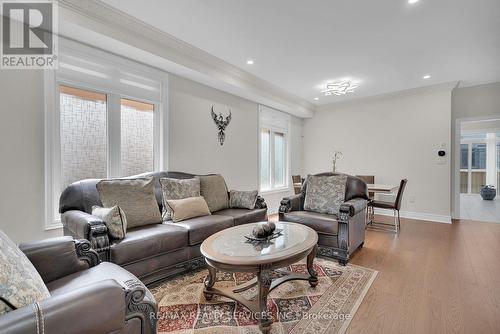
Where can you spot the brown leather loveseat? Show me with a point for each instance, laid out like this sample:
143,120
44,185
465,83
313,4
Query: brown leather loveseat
338,235
150,252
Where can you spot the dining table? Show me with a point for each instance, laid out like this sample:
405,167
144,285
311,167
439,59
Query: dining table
382,188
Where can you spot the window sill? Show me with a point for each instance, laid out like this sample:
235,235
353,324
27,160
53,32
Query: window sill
275,191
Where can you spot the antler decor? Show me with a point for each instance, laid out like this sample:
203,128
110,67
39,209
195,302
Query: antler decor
221,124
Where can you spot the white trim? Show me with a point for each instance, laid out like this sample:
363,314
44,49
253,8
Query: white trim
415,215
52,80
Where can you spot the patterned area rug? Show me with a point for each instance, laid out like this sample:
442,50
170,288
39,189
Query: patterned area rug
295,306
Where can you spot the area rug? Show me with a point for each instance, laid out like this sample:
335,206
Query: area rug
295,306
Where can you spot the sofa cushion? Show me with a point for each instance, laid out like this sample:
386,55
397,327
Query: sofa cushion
201,228
214,189
325,194
136,197
146,241
20,283
244,216
114,218
188,208
177,189
320,222
242,199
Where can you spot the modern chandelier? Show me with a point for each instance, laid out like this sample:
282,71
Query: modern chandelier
340,88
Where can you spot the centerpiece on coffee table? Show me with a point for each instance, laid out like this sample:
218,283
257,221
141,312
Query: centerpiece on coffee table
229,251
264,232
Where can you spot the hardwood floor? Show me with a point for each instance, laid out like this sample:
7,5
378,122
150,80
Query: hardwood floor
433,278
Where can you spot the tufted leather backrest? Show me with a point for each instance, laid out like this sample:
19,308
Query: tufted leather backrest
82,195
355,187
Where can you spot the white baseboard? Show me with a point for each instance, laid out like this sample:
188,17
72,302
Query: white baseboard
416,215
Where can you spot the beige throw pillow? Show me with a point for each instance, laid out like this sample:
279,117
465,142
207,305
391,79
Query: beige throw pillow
114,218
213,188
135,197
20,283
187,208
177,189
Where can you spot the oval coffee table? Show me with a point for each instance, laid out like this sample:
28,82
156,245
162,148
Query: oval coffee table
229,251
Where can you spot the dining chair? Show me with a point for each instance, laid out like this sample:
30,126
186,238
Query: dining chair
297,183
395,206
369,179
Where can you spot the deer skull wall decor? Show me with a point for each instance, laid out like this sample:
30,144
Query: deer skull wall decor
221,124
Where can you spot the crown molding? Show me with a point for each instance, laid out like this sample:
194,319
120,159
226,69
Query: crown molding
443,87
111,22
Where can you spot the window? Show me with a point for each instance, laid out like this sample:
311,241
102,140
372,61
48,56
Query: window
105,117
273,149
472,165
83,131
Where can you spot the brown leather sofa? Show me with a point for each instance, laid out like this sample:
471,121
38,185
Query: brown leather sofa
86,296
338,236
150,252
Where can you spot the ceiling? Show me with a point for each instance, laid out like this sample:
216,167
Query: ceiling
387,45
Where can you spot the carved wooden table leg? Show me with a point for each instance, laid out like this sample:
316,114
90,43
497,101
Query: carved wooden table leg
264,278
209,282
313,279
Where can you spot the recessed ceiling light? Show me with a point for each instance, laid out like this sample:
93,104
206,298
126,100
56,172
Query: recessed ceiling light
411,2
316,98
249,62
427,76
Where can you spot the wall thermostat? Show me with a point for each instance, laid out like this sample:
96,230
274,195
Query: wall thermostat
441,153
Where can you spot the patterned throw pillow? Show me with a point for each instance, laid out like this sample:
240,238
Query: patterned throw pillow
114,218
325,194
20,283
243,199
177,189
136,197
187,208
214,190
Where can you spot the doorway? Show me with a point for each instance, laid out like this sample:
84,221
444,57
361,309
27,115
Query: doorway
479,167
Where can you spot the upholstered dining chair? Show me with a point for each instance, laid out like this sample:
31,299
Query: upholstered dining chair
369,179
395,206
297,183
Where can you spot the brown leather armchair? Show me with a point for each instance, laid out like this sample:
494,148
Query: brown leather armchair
338,236
86,296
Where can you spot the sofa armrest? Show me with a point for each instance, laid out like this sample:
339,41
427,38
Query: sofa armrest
82,225
95,308
58,257
260,203
354,206
292,203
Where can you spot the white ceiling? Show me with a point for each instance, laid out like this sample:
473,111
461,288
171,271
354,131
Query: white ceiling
386,44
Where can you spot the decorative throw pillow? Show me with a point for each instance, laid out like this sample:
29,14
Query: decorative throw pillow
187,208
20,283
135,197
214,190
177,189
243,199
325,194
114,218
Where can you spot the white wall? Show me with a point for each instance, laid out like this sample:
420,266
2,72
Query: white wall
392,137
22,158
194,145
478,102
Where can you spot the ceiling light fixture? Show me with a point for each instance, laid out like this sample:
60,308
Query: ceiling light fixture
340,88
427,76
411,2
316,98
249,62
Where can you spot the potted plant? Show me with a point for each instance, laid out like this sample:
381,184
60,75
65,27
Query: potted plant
488,192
